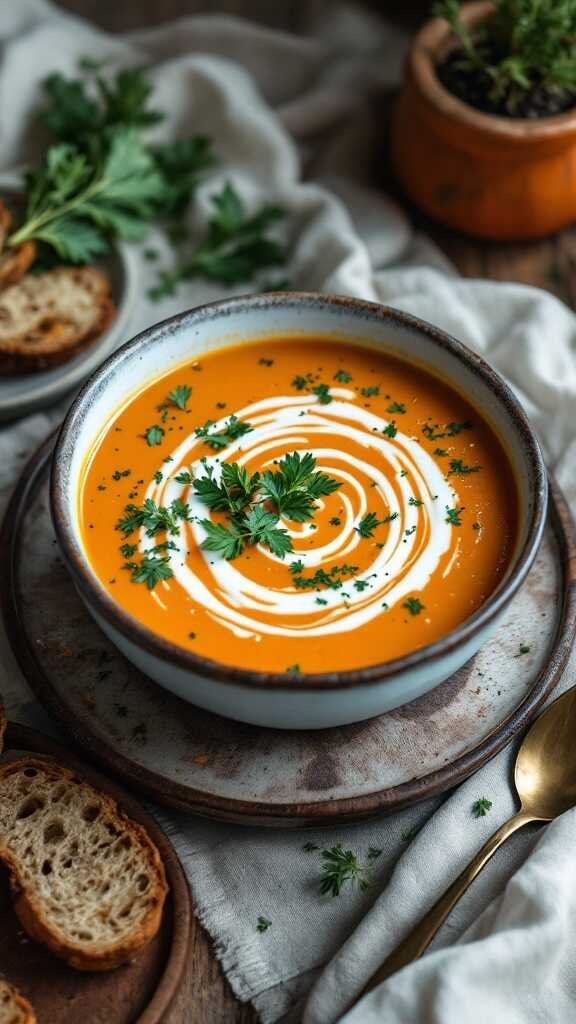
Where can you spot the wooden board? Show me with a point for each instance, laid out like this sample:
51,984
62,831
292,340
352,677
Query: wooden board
234,772
140,992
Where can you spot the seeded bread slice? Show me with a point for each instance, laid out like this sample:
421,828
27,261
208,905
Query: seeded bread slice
46,319
87,881
13,262
14,1009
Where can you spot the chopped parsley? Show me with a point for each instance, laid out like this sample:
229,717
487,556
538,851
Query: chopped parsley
416,502
453,516
335,521
481,807
218,439
340,867
293,669
370,522
265,362
151,570
180,395
459,468
263,924
184,477
342,376
321,578
158,476
153,518
435,432
370,392
119,473
154,435
391,430
323,393
523,649
414,605
396,407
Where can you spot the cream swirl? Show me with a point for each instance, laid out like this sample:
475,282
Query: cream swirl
403,479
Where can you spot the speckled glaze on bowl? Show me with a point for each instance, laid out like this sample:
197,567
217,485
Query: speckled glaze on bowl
281,700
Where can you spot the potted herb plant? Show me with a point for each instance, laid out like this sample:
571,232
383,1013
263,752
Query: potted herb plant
484,132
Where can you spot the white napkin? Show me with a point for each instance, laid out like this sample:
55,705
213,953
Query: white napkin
515,962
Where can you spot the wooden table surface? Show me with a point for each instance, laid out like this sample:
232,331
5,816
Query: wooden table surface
205,997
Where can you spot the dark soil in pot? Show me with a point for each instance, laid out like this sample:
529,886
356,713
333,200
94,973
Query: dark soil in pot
473,86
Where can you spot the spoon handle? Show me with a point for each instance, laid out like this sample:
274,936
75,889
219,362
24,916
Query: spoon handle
421,936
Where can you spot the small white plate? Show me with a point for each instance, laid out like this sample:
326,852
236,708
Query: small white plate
20,395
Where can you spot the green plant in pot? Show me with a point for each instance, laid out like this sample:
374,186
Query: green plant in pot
484,132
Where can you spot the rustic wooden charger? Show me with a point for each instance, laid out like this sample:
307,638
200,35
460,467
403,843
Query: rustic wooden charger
140,992
190,759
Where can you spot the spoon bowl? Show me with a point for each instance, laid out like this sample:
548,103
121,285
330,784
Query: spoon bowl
545,773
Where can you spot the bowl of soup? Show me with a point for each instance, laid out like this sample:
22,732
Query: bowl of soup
297,510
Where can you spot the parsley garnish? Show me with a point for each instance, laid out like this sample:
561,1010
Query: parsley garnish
453,516
370,522
119,473
323,393
263,924
416,502
321,578
523,649
481,807
184,477
151,570
153,518
459,468
339,867
292,491
180,395
391,430
293,669
434,433
370,392
300,383
335,521
342,376
396,407
440,452
414,605
154,435
218,439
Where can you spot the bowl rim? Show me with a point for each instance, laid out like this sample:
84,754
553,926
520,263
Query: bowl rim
99,599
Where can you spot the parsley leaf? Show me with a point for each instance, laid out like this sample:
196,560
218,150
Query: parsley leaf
414,605
154,435
218,439
296,485
179,396
370,522
340,867
151,570
236,247
481,807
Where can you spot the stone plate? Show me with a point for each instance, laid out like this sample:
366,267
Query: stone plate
190,759
141,991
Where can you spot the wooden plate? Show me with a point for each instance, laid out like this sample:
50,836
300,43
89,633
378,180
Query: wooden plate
141,991
190,759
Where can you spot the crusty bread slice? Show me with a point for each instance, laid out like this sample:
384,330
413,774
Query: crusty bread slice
87,881
46,319
14,1009
13,262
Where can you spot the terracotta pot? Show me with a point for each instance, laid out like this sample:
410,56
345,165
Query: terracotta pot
494,177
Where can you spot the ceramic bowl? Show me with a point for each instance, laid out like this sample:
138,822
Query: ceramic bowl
23,394
277,699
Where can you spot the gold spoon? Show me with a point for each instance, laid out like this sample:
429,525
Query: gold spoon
545,778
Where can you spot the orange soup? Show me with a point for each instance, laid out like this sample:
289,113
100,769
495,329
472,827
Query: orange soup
299,504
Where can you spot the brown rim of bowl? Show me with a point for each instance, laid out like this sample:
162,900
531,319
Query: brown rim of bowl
98,597
429,43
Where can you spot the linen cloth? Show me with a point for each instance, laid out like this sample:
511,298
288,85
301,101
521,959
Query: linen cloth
275,104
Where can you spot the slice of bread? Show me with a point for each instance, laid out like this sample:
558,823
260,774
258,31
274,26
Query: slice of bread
13,262
86,880
14,1009
46,319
